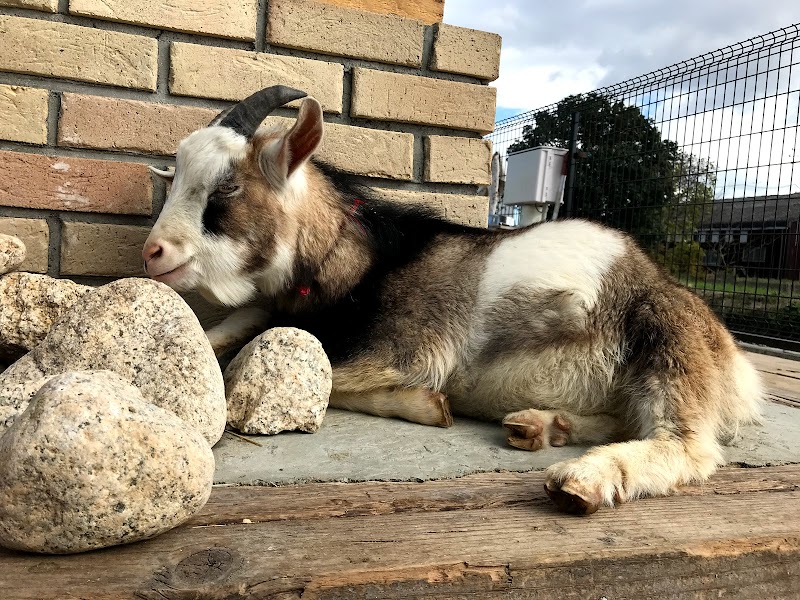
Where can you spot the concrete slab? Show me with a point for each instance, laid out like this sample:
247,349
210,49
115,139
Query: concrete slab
356,447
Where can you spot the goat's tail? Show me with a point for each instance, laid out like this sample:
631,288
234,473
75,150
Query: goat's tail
744,399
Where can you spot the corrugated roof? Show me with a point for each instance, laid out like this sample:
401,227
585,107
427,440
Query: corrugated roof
753,211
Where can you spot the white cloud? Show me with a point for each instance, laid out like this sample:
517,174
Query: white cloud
523,84
553,49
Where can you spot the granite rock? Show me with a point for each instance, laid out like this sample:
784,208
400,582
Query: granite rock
144,332
91,464
281,381
29,305
15,395
12,253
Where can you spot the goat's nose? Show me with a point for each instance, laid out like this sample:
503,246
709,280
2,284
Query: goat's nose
151,251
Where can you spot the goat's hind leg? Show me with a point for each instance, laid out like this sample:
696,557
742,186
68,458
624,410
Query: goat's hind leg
379,391
680,446
417,405
534,429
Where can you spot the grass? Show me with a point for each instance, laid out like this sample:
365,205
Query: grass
739,285
757,304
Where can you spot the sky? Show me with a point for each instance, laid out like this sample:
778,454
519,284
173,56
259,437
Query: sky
553,49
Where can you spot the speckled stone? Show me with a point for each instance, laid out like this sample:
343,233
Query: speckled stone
15,395
145,333
12,253
281,381
91,464
29,305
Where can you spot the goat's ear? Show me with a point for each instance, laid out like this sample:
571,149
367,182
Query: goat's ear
306,135
281,157
165,174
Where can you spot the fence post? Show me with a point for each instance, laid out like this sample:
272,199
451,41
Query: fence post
569,184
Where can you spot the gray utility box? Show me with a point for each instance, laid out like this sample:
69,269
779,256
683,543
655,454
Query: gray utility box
534,180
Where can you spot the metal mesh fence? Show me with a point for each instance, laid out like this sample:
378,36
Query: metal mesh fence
699,161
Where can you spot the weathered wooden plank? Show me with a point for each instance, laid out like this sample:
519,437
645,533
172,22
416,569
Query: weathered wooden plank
738,534
781,378
229,505
757,575
775,364
429,11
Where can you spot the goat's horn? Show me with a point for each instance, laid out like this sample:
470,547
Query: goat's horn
246,116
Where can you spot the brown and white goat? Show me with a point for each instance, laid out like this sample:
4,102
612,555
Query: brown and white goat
565,331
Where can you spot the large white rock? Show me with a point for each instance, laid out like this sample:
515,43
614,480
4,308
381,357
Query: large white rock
91,464
145,333
12,252
281,381
29,305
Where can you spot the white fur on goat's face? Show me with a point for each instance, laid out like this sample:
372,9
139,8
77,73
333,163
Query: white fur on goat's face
194,258
226,229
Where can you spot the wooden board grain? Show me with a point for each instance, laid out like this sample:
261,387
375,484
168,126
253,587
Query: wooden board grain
429,11
781,377
483,536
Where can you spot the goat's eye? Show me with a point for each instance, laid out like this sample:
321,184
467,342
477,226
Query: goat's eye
227,189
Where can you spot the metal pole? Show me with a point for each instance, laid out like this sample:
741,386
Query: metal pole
494,186
569,184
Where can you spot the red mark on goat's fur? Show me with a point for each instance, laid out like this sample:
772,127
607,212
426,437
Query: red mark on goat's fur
357,203
304,290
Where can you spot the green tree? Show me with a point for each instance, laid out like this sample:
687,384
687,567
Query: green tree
676,246
693,180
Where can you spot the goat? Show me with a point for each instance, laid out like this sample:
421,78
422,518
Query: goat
566,331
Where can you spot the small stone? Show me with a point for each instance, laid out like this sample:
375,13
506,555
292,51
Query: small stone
281,381
29,305
12,253
144,332
91,464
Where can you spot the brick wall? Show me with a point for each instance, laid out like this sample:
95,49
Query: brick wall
92,91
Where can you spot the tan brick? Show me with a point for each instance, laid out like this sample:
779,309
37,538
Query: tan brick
35,234
138,126
370,152
23,114
429,11
83,53
459,208
45,5
457,160
412,99
100,249
228,74
221,18
311,25
466,51
75,184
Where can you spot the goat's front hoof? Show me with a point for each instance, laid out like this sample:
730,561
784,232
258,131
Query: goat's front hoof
573,497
